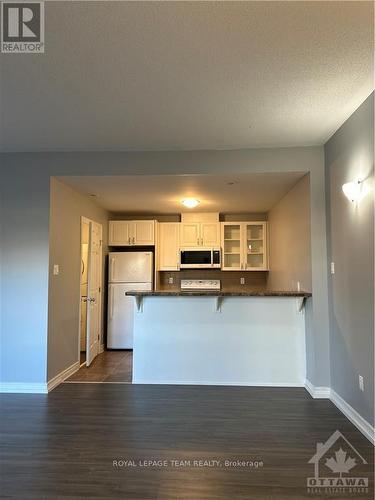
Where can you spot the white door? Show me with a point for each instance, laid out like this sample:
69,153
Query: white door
190,234
121,312
94,293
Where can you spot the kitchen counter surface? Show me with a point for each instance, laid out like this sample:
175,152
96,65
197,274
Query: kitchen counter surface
219,293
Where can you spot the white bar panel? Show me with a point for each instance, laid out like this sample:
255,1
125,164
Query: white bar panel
253,341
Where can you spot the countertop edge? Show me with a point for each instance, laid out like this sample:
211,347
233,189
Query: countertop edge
213,293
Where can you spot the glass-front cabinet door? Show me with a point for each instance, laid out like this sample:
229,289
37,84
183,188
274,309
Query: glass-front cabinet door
244,246
232,246
255,238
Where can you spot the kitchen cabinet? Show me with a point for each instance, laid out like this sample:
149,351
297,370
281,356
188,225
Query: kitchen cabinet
200,234
244,246
168,246
130,233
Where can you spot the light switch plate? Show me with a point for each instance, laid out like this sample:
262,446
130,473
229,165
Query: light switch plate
332,268
242,281
56,270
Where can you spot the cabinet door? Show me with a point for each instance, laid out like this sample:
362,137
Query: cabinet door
210,234
144,232
232,246
255,246
190,234
119,233
169,242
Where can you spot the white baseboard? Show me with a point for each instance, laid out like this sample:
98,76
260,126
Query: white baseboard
23,388
327,393
60,377
317,392
208,382
362,425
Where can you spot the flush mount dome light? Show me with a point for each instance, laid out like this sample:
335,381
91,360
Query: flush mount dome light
190,202
355,190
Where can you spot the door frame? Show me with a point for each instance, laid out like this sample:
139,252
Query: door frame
86,220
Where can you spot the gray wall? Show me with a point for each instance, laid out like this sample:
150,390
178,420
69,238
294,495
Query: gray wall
290,242
25,183
349,154
66,208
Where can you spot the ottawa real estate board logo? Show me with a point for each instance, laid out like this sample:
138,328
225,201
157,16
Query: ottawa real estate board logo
22,27
338,468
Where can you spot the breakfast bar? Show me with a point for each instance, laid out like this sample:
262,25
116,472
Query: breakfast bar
219,337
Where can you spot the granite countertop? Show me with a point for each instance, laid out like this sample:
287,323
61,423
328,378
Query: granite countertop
218,293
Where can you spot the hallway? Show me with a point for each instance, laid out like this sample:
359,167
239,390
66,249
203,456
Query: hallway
109,366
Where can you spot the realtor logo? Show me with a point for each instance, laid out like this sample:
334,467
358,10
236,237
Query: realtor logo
22,27
333,461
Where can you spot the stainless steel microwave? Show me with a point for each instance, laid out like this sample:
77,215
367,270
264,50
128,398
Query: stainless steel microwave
200,258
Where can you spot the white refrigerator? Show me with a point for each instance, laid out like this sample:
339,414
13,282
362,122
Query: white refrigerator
127,271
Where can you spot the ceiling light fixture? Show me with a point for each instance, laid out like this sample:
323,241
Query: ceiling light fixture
355,190
190,202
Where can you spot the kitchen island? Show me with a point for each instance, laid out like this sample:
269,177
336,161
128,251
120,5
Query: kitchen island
219,337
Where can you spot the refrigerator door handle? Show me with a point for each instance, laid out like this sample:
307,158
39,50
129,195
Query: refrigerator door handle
112,268
111,302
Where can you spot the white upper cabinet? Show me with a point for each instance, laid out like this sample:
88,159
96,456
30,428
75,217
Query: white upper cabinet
119,232
190,234
244,246
200,230
129,233
210,234
169,244
200,234
144,232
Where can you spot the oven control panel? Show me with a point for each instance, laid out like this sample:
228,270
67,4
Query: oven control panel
200,285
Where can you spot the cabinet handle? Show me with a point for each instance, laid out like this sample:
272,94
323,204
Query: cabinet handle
202,241
198,241
133,240
129,240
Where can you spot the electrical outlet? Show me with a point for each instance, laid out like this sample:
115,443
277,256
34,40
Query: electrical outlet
332,268
242,281
361,383
170,280
56,270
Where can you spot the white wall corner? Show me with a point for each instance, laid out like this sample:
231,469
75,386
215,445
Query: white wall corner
317,392
23,388
60,377
362,425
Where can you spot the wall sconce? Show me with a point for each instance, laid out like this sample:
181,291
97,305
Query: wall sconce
355,191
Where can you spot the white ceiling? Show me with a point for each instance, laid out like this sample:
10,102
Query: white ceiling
188,75
162,194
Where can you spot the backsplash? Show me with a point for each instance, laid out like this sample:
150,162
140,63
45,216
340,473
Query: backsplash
230,280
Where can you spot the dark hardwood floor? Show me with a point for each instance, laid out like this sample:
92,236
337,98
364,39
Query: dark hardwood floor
109,366
62,445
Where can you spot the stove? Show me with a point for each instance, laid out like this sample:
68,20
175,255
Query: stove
200,285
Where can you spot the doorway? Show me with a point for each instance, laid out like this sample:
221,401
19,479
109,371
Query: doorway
90,291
